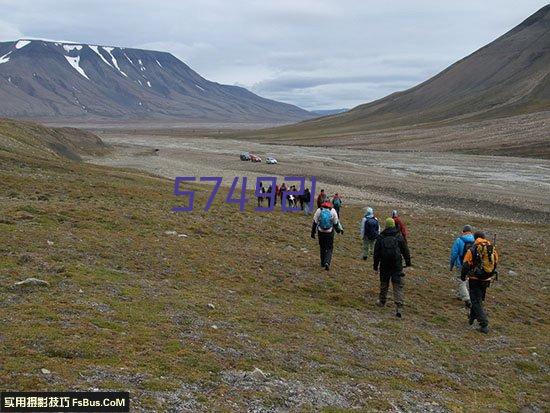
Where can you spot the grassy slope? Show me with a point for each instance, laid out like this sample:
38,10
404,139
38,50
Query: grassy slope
127,307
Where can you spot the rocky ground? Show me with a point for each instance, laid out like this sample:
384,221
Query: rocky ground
504,187
103,287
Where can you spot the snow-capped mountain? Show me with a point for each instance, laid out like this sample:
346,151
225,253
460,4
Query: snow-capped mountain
60,80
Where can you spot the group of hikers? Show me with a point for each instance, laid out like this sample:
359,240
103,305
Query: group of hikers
472,254
293,201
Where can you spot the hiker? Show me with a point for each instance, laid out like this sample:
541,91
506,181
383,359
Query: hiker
460,246
400,225
389,250
337,203
261,191
269,191
281,192
291,199
321,198
277,193
370,229
305,202
479,268
325,222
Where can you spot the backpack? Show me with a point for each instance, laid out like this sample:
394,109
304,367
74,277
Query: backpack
371,228
337,203
484,258
467,246
325,219
390,251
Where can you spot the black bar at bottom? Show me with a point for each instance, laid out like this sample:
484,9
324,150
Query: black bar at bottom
100,401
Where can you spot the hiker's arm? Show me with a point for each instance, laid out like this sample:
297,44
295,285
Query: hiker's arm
466,265
454,254
314,223
313,229
334,216
405,251
464,271
376,255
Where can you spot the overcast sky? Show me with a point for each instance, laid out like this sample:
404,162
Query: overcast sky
317,54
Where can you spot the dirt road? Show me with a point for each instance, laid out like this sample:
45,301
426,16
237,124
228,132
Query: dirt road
502,187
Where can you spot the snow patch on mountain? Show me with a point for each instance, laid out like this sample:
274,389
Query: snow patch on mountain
158,63
200,87
22,43
5,58
96,50
110,50
75,63
71,47
130,60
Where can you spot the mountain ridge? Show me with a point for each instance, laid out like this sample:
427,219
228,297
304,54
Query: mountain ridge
509,76
49,79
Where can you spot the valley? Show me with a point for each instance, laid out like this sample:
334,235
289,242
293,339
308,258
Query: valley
491,186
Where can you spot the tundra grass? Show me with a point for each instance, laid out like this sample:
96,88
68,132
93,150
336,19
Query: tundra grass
127,307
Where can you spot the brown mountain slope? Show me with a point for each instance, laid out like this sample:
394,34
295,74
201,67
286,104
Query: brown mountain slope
39,141
56,81
510,76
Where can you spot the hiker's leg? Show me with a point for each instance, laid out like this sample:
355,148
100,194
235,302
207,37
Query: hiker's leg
370,246
384,286
473,293
398,291
366,249
476,296
330,246
320,235
461,288
483,314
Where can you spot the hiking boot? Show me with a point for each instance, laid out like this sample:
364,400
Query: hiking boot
468,304
471,320
398,313
380,303
365,258
484,329
327,267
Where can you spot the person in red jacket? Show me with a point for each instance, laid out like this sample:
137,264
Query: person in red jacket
277,192
400,225
322,198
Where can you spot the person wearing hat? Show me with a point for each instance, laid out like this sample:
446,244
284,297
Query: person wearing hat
325,222
479,268
460,246
389,251
370,229
400,225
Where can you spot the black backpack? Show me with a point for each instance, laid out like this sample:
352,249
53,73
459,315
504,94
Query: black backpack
389,249
371,228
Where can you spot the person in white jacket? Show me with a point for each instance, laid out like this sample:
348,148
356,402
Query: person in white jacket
325,223
370,229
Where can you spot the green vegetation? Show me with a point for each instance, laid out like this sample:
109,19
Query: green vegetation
127,307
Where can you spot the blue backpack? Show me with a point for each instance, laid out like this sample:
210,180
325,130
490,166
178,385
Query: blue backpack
371,228
337,203
325,219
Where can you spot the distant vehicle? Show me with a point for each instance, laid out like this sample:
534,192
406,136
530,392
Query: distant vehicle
255,158
271,161
245,156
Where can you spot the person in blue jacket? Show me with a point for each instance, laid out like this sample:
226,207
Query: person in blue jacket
458,251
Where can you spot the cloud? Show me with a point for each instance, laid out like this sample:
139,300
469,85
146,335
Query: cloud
313,53
9,31
286,83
